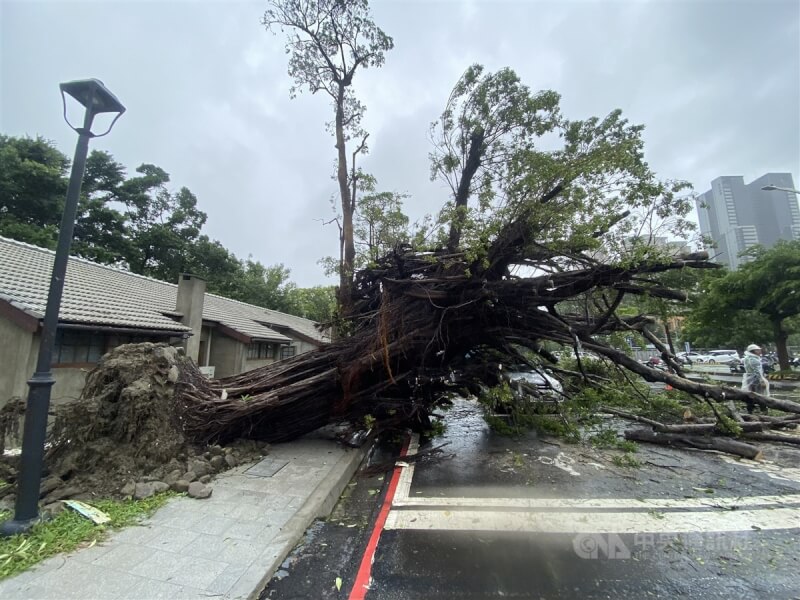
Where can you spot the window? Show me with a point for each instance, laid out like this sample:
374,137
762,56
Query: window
74,346
288,351
259,350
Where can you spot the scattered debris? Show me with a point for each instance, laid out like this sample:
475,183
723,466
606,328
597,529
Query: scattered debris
95,515
199,490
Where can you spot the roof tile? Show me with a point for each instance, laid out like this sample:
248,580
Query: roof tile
110,296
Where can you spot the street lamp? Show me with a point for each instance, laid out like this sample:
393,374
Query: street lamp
776,188
96,99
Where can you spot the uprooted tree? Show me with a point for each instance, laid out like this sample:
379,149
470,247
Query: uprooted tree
538,249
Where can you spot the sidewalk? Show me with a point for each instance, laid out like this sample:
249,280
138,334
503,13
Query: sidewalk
227,546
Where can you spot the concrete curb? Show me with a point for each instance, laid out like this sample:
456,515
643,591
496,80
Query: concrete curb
318,505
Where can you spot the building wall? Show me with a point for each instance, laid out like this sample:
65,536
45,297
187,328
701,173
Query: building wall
15,349
738,216
18,355
303,346
227,356
70,380
257,363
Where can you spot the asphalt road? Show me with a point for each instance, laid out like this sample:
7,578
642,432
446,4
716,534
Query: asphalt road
492,517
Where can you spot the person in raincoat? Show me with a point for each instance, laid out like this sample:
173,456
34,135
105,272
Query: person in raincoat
753,379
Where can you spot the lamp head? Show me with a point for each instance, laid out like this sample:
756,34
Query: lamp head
92,93
95,97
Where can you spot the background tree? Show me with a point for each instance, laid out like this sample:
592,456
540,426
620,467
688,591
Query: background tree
101,226
762,295
317,303
32,189
380,222
327,42
137,223
162,225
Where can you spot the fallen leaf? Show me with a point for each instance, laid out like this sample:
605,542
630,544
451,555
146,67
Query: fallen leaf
338,584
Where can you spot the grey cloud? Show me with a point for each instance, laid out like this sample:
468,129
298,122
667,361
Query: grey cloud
717,85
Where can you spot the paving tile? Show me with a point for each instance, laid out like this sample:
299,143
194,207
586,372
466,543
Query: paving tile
161,590
136,534
213,524
226,580
184,520
174,508
123,556
301,471
51,564
279,518
223,493
29,591
222,509
254,496
250,531
171,540
277,501
159,566
88,581
229,550
197,572
269,557
17,586
267,467
89,555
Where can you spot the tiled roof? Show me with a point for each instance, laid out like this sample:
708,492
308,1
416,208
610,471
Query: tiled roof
101,295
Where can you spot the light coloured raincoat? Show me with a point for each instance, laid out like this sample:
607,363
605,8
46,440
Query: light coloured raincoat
753,379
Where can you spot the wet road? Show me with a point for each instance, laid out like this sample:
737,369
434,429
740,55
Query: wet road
491,517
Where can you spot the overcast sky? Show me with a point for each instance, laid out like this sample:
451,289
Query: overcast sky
717,85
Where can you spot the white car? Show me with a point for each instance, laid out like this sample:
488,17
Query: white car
688,356
713,357
545,383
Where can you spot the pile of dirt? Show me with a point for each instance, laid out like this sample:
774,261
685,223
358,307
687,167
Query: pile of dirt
124,436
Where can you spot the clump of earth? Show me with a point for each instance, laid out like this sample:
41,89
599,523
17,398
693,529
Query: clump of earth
123,437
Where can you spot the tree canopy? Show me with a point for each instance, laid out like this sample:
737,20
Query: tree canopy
758,302
136,222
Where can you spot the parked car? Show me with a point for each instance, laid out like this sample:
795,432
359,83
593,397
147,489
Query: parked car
544,383
722,357
688,358
737,366
654,362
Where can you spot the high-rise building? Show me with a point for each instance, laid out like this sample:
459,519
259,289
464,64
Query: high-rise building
737,215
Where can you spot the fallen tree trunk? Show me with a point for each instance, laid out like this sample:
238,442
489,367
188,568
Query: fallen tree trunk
702,428
678,440
774,437
704,390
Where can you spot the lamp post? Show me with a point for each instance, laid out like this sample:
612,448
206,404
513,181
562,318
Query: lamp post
776,188
96,99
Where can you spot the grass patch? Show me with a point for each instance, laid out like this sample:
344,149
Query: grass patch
609,438
68,530
626,460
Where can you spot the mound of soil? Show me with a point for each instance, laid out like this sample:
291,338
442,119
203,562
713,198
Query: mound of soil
126,427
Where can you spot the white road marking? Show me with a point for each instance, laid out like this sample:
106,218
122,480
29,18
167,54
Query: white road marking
404,483
624,515
767,467
562,461
602,503
598,522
